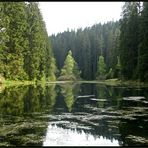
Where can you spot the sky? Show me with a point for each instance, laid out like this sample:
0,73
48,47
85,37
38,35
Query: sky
60,16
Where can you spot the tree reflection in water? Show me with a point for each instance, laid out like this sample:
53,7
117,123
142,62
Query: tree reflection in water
57,136
73,114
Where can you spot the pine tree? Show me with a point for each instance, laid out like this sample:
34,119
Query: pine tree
101,68
129,39
68,65
142,67
118,68
25,50
32,57
52,70
76,71
69,70
14,42
39,55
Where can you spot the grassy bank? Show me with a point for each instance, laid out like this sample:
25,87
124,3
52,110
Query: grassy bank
8,83
113,82
126,83
14,83
117,82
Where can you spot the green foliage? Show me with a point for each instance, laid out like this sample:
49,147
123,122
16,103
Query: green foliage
87,45
67,92
67,78
52,70
142,66
27,99
35,56
129,38
2,79
76,71
110,74
13,41
25,51
102,93
70,69
118,68
133,41
68,65
101,68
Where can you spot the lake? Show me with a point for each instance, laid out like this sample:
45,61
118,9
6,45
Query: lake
74,114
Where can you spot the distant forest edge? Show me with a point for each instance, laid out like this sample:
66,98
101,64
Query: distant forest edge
110,50
104,51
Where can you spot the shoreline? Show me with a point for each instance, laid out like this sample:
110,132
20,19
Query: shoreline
115,82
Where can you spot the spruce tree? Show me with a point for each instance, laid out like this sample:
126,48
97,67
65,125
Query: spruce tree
32,57
101,68
70,68
14,42
25,50
129,39
68,65
52,70
142,66
118,68
39,55
76,70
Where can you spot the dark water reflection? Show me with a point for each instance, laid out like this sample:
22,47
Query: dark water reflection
74,114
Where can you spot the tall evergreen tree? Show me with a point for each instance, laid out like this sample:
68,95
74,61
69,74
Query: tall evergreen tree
14,43
68,65
70,68
101,68
39,56
142,66
129,39
34,34
25,50
52,70
76,71
118,68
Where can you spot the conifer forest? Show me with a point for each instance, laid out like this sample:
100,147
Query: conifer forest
103,51
85,86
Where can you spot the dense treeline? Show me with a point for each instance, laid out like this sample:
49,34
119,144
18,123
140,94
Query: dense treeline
86,46
134,41
25,50
110,50
114,49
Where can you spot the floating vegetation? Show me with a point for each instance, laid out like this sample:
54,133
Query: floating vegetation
27,112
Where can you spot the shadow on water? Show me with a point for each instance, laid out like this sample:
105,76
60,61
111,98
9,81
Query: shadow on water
73,114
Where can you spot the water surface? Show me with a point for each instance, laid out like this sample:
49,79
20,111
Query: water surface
74,114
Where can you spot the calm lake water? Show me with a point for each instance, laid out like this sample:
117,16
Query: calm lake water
86,114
